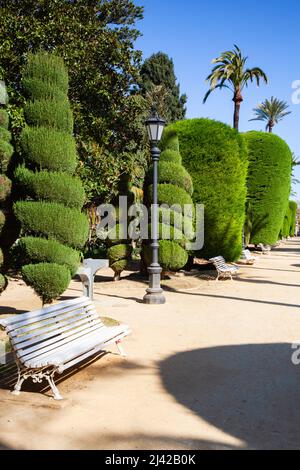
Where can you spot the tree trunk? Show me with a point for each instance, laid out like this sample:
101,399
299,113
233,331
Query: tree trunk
270,126
237,99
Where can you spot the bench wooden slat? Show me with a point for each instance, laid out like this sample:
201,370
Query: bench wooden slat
38,315
73,349
39,327
55,343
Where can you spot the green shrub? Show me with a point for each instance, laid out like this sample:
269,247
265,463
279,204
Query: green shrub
51,186
169,140
293,206
49,149
177,220
39,250
3,282
2,220
170,195
117,234
172,257
6,151
172,173
4,119
169,232
285,231
118,252
50,113
269,180
39,90
215,155
5,188
48,280
171,156
5,134
54,221
48,68
119,266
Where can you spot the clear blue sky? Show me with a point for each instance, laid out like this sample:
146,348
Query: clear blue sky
193,32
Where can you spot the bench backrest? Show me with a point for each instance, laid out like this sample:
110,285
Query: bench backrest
219,262
43,330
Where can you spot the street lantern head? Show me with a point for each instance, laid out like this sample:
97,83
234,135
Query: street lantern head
155,126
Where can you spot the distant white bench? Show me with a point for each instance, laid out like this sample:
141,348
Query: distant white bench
248,257
264,248
55,338
223,268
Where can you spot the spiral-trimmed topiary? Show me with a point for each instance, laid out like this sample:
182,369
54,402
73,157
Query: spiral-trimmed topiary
53,226
8,229
293,206
215,155
269,182
175,189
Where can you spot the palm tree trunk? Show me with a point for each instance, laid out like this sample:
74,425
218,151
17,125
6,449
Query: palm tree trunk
237,99
270,126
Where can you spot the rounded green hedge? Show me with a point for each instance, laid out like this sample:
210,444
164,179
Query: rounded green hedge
215,155
171,156
5,134
269,182
40,250
4,119
172,257
169,140
49,149
48,68
170,196
118,252
293,216
51,186
5,188
54,221
6,151
39,90
50,113
172,173
48,280
169,232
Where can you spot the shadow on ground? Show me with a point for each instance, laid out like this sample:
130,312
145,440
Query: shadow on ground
248,391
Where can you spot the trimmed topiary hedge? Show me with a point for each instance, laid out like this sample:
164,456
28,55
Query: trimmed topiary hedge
174,191
172,257
293,206
49,149
53,224
3,282
5,188
171,156
216,157
38,250
51,220
51,186
49,68
269,182
48,280
5,135
4,119
172,173
50,113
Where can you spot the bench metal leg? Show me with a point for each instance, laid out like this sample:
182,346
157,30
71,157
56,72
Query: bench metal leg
50,379
120,348
18,386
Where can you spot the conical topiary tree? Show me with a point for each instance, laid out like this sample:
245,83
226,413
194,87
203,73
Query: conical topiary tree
53,227
175,188
6,151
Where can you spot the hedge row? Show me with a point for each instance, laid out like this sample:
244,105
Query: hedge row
269,182
215,155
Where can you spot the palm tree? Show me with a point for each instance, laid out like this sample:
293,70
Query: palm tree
272,111
230,72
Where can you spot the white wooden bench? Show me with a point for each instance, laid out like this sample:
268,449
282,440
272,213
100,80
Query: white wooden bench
265,249
223,269
248,257
49,341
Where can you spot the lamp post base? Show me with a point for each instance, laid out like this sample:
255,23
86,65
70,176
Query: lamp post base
154,294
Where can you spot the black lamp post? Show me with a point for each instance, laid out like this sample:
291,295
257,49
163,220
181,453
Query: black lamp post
154,296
